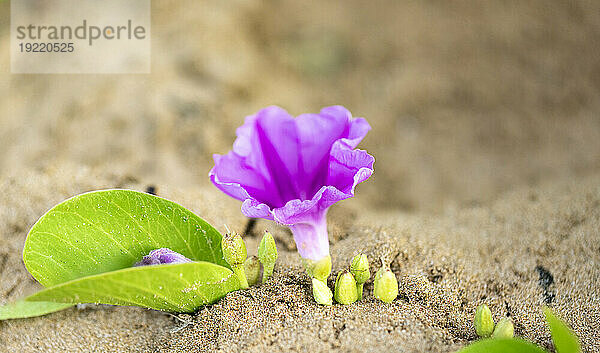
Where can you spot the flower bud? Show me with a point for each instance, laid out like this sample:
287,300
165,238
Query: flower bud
484,323
234,249
234,252
386,285
162,256
504,329
252,270
345,288
267,253
360,270
321,292
318,269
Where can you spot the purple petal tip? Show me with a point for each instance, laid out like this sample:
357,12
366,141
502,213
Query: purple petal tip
162,256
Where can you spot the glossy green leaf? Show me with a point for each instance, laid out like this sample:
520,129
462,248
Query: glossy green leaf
84,248
109,230
176,287
23,309
505,345
564,339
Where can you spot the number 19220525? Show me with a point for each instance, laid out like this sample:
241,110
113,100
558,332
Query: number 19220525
46,47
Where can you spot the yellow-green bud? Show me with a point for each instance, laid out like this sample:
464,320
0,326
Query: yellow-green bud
234,252
360,270
234,249
267,254
484,323
504,329
345,288
252,270
321,292
318,269
386,285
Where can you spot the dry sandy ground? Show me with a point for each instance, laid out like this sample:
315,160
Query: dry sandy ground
486,133
502,254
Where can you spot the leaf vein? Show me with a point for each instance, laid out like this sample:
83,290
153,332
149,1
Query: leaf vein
95,225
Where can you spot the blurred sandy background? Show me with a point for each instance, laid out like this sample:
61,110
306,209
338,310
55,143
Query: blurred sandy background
469,101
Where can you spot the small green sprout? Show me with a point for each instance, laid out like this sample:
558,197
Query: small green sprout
484,323
252,269
234,252
386,285
345,288
360,270
267,254
565,341
321,292
318,269
504,329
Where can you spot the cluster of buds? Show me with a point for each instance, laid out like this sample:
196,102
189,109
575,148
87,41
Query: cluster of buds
247,269
484,324
349,283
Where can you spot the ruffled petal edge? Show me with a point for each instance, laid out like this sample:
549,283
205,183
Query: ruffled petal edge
295,211
298,211
234,190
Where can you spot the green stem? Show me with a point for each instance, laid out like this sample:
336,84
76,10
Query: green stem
267,271
359,290
241,275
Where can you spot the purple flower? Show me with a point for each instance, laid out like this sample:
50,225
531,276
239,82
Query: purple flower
162,256
291,170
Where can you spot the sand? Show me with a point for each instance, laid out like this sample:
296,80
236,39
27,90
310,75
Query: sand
446,264
487,177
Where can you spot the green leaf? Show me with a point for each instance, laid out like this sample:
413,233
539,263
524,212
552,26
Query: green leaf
175,287
504,345
84,248
564,339
110,230
22,309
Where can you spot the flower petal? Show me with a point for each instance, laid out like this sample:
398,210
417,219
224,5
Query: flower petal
255,209
348,167
268,144
358,129
162,256
232,176
317,133
311,237
278,142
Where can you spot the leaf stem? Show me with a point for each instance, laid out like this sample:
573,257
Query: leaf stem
359,290
267,271
239,272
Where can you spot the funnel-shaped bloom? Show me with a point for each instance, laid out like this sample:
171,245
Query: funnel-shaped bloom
291,170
